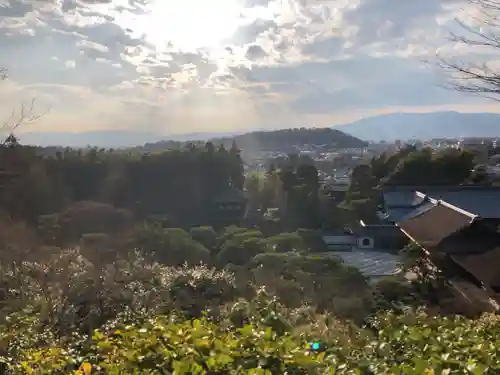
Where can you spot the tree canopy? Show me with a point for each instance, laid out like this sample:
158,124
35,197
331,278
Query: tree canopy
180,184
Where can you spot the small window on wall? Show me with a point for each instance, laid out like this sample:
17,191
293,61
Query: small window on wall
365,243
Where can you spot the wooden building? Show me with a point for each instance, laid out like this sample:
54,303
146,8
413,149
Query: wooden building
465,244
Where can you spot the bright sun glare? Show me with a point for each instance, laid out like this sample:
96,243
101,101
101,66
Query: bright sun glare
189,24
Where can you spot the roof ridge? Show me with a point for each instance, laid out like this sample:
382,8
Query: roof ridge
441,202
458,209
411,214
440,187
426,198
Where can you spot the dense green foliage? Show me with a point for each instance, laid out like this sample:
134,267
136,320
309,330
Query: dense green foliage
424,168
409,343
108,311
182,185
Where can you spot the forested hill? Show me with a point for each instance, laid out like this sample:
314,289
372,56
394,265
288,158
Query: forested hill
280,140
283,139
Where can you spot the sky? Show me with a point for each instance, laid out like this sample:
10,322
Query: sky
181,66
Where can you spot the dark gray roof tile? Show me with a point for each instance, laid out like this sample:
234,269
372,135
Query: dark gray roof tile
400,198
483,266
417,211
483,201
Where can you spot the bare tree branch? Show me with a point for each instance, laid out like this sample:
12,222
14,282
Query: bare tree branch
25,114
477,78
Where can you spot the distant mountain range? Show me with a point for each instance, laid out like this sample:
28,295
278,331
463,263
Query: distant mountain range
107,139
388,127
425,126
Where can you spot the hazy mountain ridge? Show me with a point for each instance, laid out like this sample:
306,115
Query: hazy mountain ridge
384,127
424,126
253,141
287,139
107,138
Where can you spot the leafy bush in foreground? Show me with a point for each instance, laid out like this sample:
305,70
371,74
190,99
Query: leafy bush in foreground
67,312
411,343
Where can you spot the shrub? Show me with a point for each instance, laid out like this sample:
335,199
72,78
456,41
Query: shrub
194,290
170,246
71,293
287,242
313,240
190,347
206,236
411,343
241,247
393,289
92,217
76,311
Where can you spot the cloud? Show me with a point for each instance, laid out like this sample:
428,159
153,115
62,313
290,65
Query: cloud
70,64
255,52
238,64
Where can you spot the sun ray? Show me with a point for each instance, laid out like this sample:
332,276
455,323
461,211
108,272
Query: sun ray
186,25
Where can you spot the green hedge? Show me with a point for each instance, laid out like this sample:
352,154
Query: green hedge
411,344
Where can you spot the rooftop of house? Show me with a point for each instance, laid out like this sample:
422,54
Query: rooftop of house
483,266
394,215
419,203
418,210
483,203
376,229
431,226
477,200
477,238
338,232
405,198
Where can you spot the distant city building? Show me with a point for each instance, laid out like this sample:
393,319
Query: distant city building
478,146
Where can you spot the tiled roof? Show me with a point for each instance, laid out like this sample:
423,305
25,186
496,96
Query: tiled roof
485,267
432,226
477,238
400,199
400,205
377,230
484,203
478,200
425,206
476,249
396,214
